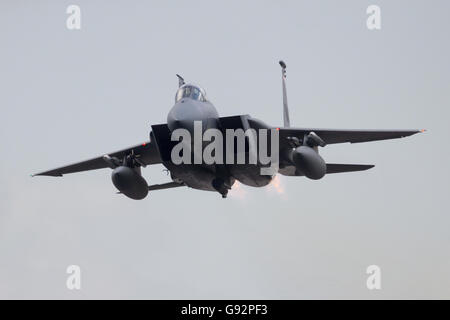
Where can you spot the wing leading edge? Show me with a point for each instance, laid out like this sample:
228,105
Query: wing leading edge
147,153
330,136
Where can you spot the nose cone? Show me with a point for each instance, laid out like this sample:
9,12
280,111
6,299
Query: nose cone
182,114
181,124
185,112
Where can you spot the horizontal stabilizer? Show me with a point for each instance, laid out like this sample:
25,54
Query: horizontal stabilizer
331,168
167,185
338,167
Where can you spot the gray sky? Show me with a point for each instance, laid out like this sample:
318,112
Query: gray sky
71,95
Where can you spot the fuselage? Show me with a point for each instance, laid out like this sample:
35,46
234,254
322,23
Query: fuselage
192,106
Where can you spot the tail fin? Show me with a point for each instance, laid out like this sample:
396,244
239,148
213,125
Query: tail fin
286,120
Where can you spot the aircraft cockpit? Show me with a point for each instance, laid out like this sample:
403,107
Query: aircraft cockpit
190,91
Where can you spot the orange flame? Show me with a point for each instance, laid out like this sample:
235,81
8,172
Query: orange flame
237,191
276,185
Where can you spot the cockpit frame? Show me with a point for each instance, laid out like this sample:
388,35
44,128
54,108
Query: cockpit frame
192,92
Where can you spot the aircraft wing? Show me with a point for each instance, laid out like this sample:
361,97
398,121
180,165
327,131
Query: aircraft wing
147,153
330,136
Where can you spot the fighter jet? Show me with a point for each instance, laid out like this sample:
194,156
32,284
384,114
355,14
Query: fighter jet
298,149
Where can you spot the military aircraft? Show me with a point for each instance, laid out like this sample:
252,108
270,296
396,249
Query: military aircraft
298,149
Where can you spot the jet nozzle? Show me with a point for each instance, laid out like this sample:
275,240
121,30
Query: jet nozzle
282,64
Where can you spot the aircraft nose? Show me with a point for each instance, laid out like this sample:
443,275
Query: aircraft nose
183,116
173,121
174,124
185,113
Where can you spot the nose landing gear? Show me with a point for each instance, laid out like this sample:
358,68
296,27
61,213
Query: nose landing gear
221,187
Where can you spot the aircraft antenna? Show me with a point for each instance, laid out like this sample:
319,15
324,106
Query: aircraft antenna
286,120
180,80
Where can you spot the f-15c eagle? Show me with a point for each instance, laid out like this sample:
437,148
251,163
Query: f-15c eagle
298,149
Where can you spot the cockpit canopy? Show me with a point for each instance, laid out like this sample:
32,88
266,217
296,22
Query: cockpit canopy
190,91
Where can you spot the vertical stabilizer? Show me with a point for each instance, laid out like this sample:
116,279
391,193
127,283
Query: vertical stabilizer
286,120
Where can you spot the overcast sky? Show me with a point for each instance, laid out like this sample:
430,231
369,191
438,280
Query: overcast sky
70,95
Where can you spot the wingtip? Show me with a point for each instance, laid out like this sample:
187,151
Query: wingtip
413,132
45,174
365,167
